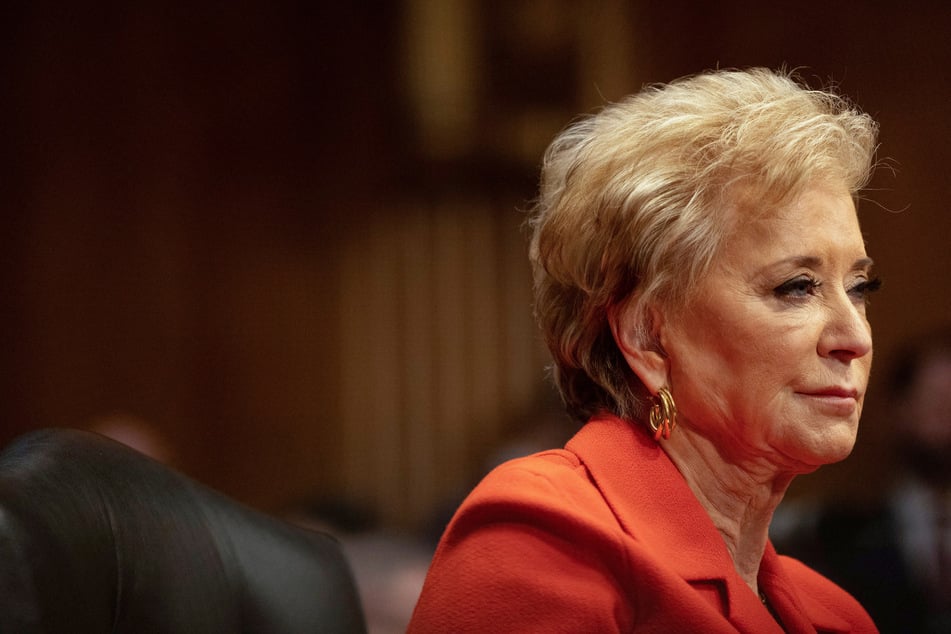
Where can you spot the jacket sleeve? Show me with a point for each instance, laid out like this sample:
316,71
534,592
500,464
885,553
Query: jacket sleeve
530,550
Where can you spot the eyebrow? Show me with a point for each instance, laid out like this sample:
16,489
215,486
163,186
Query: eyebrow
811,261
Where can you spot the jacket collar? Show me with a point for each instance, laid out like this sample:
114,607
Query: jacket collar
641,484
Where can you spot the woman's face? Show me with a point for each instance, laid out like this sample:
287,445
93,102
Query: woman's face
771,357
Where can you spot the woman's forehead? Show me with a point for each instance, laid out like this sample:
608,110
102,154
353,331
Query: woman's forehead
817,222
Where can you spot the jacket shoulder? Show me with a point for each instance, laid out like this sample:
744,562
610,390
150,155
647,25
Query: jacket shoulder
552,482
531,519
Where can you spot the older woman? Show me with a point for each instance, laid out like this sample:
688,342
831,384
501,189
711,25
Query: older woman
701,281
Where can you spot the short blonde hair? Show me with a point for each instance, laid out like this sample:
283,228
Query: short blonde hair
634,206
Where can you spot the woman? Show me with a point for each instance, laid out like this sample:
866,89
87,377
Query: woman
701,281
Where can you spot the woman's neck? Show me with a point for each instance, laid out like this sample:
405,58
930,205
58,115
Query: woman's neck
739,498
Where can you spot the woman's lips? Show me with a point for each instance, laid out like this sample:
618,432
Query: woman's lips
837,400
844,392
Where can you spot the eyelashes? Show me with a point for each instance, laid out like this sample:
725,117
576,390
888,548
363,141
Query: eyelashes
805,286
865,288
798,287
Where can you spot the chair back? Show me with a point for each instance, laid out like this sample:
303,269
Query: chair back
96,537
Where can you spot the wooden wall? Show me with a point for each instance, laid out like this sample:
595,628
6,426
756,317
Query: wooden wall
287,236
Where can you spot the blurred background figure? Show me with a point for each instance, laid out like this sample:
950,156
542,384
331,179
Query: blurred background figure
895,556
136,433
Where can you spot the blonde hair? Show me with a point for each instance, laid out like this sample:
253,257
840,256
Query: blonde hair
636,200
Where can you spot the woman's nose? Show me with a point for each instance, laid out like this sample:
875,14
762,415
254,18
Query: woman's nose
847,334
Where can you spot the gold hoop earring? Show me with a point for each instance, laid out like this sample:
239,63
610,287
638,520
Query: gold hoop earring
663,414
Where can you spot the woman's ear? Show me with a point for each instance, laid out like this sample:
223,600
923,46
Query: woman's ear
643,357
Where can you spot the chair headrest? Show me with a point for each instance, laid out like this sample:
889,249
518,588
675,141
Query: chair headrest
96,537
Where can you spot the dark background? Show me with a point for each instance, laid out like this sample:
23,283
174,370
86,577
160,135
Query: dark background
200,201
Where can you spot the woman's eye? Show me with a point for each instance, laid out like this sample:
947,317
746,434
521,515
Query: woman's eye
864,288
798,287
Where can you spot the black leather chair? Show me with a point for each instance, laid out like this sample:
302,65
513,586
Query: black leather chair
96,537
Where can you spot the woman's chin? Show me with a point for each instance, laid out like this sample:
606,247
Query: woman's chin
833,445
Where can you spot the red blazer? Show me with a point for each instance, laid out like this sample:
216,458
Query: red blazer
606,536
